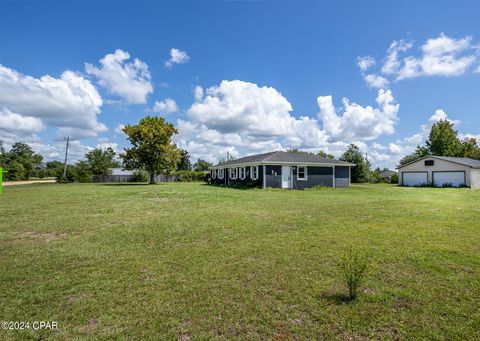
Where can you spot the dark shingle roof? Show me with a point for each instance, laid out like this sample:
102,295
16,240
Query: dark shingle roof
286,157
460,160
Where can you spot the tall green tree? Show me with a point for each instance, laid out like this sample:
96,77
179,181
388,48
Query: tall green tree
201,165
99,160
471,148
152,148
21,162
321,153
361,171
184,163
443,140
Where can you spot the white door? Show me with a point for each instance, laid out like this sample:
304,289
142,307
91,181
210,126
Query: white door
286,175
414,178
455,179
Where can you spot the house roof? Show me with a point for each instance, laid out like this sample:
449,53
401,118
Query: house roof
459,160
388,173
285,157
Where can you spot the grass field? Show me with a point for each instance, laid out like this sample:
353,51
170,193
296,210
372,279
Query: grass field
192,261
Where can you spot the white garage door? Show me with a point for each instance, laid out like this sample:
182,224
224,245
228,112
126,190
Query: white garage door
454,179
415,178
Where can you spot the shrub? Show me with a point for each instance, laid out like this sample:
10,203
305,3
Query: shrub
353,266
394,179
140,176
188,176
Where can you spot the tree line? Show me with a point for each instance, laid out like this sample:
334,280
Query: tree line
153,152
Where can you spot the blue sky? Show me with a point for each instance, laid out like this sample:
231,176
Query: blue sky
247,76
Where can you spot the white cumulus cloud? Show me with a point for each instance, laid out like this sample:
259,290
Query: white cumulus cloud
17,123
177,57
376,81
242,117
358,122
128,80
364,63
68,102
166,106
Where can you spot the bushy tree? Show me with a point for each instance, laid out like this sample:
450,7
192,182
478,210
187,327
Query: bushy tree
99,160
471,148
21,161
361,171
321,153
152,147
184,163
419,152
443,140
201,165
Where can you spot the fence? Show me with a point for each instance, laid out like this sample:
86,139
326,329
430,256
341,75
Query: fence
129,178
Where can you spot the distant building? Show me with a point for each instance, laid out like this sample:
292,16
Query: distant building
387,175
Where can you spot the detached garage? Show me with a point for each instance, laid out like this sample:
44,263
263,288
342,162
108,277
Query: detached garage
441,171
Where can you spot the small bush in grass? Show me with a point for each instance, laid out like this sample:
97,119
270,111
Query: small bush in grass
353,266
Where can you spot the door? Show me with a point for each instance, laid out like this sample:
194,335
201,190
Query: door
286,176
443,179
414,178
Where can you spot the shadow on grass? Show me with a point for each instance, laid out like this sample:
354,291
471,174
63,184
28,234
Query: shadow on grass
243,188
336,298
123,183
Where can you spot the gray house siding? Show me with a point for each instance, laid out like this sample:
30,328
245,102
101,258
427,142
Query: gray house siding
226,181
273,176
342,176
316,176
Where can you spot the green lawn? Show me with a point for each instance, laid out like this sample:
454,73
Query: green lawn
192,261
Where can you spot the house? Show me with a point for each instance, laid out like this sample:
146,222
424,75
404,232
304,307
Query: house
387,175
282,170
440,171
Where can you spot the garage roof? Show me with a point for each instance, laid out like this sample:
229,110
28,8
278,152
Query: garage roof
460,160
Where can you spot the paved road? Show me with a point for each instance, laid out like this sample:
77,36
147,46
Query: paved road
29,182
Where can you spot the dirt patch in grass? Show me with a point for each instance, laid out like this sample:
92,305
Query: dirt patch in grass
47,237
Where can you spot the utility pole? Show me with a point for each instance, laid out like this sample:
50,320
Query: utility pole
66,155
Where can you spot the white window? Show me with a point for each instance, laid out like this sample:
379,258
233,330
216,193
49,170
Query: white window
242,173
254,172
301,173
214,173
233,173
221,173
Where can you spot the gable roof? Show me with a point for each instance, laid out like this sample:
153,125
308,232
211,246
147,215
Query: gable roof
388,173
285,157
465,161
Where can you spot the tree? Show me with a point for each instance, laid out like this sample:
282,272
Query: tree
53,168
443,140
22,154
419,152
471,148
184,163
361,171
152,147
100,160
321,153
201,165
